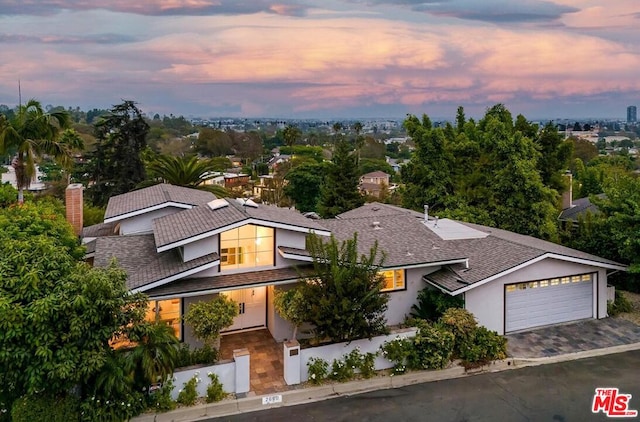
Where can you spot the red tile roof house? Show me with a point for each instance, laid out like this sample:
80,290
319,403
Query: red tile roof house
180,246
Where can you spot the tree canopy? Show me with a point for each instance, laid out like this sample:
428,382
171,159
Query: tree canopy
116,166
339,192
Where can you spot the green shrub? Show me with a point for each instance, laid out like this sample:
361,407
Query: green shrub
318,370
432,303
364,364
462,324
114,409
432,347
340,371
205,355
188,394
38,408
215,392
208,318
620,304
484,347
160,400
398,351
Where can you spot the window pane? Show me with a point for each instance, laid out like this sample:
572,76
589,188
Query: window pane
555,281
247,232
533,285
264,231
264,258
229,235
564,280
399,279
242,248
586,277
511,288
167,311
544,283
388,280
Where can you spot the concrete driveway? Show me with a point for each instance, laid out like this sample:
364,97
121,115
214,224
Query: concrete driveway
575,337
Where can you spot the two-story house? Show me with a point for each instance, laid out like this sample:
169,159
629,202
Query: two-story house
180,246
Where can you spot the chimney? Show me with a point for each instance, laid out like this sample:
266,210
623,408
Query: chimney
567,195
426,213
73,205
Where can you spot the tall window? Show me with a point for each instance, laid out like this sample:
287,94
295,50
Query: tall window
167,311
247,246
393,280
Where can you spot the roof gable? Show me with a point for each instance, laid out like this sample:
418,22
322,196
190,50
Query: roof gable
154,197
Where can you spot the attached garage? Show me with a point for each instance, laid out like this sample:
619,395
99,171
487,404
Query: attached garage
549,301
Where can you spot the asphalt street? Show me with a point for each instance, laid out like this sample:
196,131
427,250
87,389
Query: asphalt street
559,392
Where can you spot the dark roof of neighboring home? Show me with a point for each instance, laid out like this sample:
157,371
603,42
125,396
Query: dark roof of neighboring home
225,281
99,230
407,241
138,257
580,208
200,220
152,196
376,173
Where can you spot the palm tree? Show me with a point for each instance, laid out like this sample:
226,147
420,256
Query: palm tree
291,134
30,134
188,172
156,354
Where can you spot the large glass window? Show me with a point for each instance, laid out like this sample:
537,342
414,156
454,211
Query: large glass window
167,311
247,246
393,280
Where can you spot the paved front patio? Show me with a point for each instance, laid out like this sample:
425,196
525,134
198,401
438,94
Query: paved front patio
266,360
569,338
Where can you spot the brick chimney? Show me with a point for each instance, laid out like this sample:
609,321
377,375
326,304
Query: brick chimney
73,204
567,195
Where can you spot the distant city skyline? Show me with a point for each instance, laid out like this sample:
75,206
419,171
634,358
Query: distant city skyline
325,59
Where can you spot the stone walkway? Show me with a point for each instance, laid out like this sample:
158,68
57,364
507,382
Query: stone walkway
569,338
266,360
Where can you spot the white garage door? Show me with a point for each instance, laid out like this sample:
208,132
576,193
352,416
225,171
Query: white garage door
544,302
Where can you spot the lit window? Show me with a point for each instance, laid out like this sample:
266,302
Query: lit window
167,311
544,283
511,288
565,280
247,246
521,286
575,279
533,285
393,280
586,277
555,281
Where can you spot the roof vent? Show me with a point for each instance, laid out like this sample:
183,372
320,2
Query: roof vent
376,225
247,202
217,204
375,208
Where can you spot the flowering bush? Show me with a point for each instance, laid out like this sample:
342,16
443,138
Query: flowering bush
361,363
215,392
187,395
160,400
318,370
341,371
397,351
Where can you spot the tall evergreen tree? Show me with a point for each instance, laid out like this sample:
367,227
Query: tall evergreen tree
116,166
339,192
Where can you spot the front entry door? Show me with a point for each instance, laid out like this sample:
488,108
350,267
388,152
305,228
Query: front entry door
252,308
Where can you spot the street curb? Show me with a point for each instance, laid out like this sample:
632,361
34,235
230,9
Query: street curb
329,391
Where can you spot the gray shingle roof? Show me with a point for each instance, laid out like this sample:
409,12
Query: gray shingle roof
200,220
155,195
407,241
138,257
99,230
580,207
191,285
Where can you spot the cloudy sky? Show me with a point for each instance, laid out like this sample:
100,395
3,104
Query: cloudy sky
325,58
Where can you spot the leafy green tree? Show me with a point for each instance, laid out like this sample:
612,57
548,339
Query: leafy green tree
339,192
555,155
427,177
291,135
304,185
291,305
207,319
30,134
59,318
116,165
189,172
342,295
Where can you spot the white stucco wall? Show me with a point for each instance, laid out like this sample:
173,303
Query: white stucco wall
200,248
142,223
400,301
486,302
291,239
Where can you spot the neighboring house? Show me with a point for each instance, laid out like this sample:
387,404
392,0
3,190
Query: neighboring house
236,180
373,183
579,209
276,160
180,251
